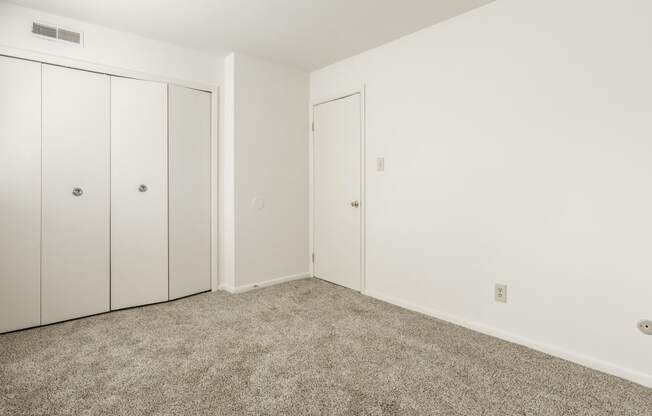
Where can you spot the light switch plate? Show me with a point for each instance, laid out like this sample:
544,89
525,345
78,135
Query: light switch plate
380,164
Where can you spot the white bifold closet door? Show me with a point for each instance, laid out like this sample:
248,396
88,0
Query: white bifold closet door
139,220
75,242
20,194
190,191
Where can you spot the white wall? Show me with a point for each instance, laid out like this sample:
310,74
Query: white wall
262,107
518,147
108,47
267,138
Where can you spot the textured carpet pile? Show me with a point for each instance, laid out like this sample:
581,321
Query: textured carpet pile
301,348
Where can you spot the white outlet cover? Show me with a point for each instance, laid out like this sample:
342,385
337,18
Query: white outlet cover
500,293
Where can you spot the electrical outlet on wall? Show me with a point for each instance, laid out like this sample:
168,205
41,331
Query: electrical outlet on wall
500,293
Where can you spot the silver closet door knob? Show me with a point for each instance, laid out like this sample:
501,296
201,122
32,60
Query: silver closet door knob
142,188
77,191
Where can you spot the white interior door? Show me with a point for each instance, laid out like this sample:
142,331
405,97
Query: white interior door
337,191
189,191
139,220
75,249
20,194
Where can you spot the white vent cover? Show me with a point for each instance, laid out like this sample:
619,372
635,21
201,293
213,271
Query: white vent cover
56,33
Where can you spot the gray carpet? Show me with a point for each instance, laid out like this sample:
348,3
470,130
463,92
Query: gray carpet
301,348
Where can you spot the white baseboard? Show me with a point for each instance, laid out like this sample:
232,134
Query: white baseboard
226,288
266,283
594,363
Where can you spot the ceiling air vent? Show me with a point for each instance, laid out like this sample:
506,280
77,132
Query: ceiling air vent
56,33
69,36
44,30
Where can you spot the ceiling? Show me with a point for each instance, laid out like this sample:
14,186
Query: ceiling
307,34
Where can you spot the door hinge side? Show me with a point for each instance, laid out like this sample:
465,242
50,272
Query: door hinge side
313,126
313,257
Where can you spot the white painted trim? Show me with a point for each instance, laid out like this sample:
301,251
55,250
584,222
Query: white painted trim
311,191
266,283
581,359
226,200
363,179
215,187
126,73
363,189
338,96
100,68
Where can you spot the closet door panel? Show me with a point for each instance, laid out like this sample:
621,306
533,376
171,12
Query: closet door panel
190,191
75,251
20,194
139,222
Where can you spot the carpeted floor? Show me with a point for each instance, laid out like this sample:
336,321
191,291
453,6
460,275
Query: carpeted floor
301,348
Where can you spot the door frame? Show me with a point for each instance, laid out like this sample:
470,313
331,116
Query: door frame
363,179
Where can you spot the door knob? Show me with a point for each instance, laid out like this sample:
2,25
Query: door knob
77,191
355,204
142,188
